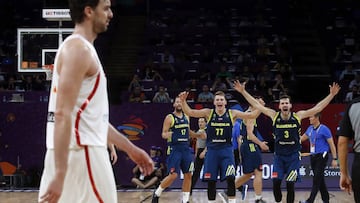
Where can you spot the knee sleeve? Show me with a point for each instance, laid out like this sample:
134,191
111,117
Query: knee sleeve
231,186
290,187
211,192
277,190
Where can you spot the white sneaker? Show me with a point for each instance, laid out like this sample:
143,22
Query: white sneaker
223,197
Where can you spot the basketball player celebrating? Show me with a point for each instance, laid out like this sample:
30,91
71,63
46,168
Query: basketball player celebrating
176,129
219,156
286,131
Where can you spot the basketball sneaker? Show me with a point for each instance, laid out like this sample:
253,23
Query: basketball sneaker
223,197
244,191
155,199
260,201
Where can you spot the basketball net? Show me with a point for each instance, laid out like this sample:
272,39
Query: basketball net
48,71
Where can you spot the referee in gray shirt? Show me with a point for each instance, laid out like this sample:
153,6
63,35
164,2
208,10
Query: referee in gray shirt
200,146
349,129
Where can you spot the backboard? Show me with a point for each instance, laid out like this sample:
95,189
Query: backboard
36,47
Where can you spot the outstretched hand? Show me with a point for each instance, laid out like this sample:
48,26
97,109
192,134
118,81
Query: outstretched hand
183,96
334,88
240,87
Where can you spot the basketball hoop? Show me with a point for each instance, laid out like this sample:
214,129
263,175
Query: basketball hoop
48,71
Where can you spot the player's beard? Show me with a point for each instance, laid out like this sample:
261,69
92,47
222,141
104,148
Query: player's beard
178,109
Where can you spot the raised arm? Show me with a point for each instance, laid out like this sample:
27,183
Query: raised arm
240,87
334,90
192,112
245,115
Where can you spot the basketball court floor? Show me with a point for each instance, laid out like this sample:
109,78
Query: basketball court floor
199,196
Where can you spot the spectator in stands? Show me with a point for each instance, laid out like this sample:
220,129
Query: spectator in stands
205,95
246,75
224,75
167,57
355,81
348,73
193,84
151,180
352,94
339,53
175,85
262,53
219,85
278,88
244,58
11,85
225,58
167,63
27,82
284,69
162,96
192,94
135,82
152,74
2,82
281,47
264,89
265,73
206,73
39,82
137,95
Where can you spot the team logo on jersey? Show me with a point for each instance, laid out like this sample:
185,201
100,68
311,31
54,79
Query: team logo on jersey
133,128
207,175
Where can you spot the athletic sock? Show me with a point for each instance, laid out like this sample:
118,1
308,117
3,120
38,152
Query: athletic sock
185,197
159,191
258,197
232,200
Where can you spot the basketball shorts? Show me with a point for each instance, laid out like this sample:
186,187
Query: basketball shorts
89,177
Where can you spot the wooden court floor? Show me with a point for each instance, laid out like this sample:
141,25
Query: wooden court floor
199,196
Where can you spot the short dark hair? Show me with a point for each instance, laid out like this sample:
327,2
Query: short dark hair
318,115
203,118
285,96
77,8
